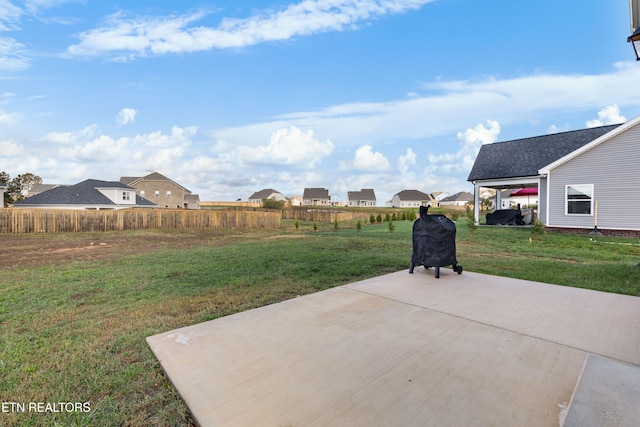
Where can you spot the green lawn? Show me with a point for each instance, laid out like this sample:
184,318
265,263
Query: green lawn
75,332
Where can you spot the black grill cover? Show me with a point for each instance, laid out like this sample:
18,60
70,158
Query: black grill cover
434,240
505,217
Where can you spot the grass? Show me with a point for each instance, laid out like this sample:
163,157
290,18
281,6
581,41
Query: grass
75,332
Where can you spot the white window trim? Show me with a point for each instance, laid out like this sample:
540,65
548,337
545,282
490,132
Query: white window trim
566,200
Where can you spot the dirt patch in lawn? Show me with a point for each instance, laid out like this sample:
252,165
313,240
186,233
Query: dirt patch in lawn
29,250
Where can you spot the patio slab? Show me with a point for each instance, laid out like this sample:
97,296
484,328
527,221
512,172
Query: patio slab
401,349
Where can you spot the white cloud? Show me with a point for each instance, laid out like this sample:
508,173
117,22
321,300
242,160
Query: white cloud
406,161
609,115
480,135
126,115
147,35
510,101
72,136
13,55
9,148
7,118
366,160
469,144
290,146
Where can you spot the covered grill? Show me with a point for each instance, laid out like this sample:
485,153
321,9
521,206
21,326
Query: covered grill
434,242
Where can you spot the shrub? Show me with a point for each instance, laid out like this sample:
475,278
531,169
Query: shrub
359,225
272,204
372,219
392,226
538,228
379,218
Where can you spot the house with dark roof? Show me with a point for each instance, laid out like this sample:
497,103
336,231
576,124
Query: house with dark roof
162,191
88,194
459,199
585,178
268,194
412,199
316,196
364,197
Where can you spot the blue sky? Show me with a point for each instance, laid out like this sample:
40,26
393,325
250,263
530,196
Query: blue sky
228,98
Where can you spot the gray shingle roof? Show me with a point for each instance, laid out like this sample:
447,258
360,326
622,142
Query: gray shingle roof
83,193
463,196
316,193
410,195
263,194
364,194
524,157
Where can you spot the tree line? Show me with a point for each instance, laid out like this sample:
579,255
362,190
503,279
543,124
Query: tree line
17,188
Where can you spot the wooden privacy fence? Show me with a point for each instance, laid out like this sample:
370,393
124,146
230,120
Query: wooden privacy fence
54,221
322,216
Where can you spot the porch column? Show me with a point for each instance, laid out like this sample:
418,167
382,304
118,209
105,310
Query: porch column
476,203
498,199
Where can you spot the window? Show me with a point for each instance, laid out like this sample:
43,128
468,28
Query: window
157,193
168,193
125,195
579,199
142,193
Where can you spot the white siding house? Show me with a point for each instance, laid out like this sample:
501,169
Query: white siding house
584,178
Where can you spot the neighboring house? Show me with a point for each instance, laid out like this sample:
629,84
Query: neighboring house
582,176
2,190
162,191
269,194
296,200
316,196
525,197
364,197
88,194
412,199
462,198
39,188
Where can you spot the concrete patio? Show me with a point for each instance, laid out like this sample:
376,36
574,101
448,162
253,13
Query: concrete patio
411,350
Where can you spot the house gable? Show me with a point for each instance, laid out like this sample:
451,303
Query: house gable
162,191
267,193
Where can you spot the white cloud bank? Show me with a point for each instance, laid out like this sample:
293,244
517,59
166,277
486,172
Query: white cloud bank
149,35
290,146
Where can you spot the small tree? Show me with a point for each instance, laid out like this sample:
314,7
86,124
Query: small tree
486,204
372,219
538,229
336,225
471,222
297,224
315,226
19,187
379,218
392,226
387,217
359,225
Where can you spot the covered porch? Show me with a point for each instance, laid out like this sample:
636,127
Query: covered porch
500,184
